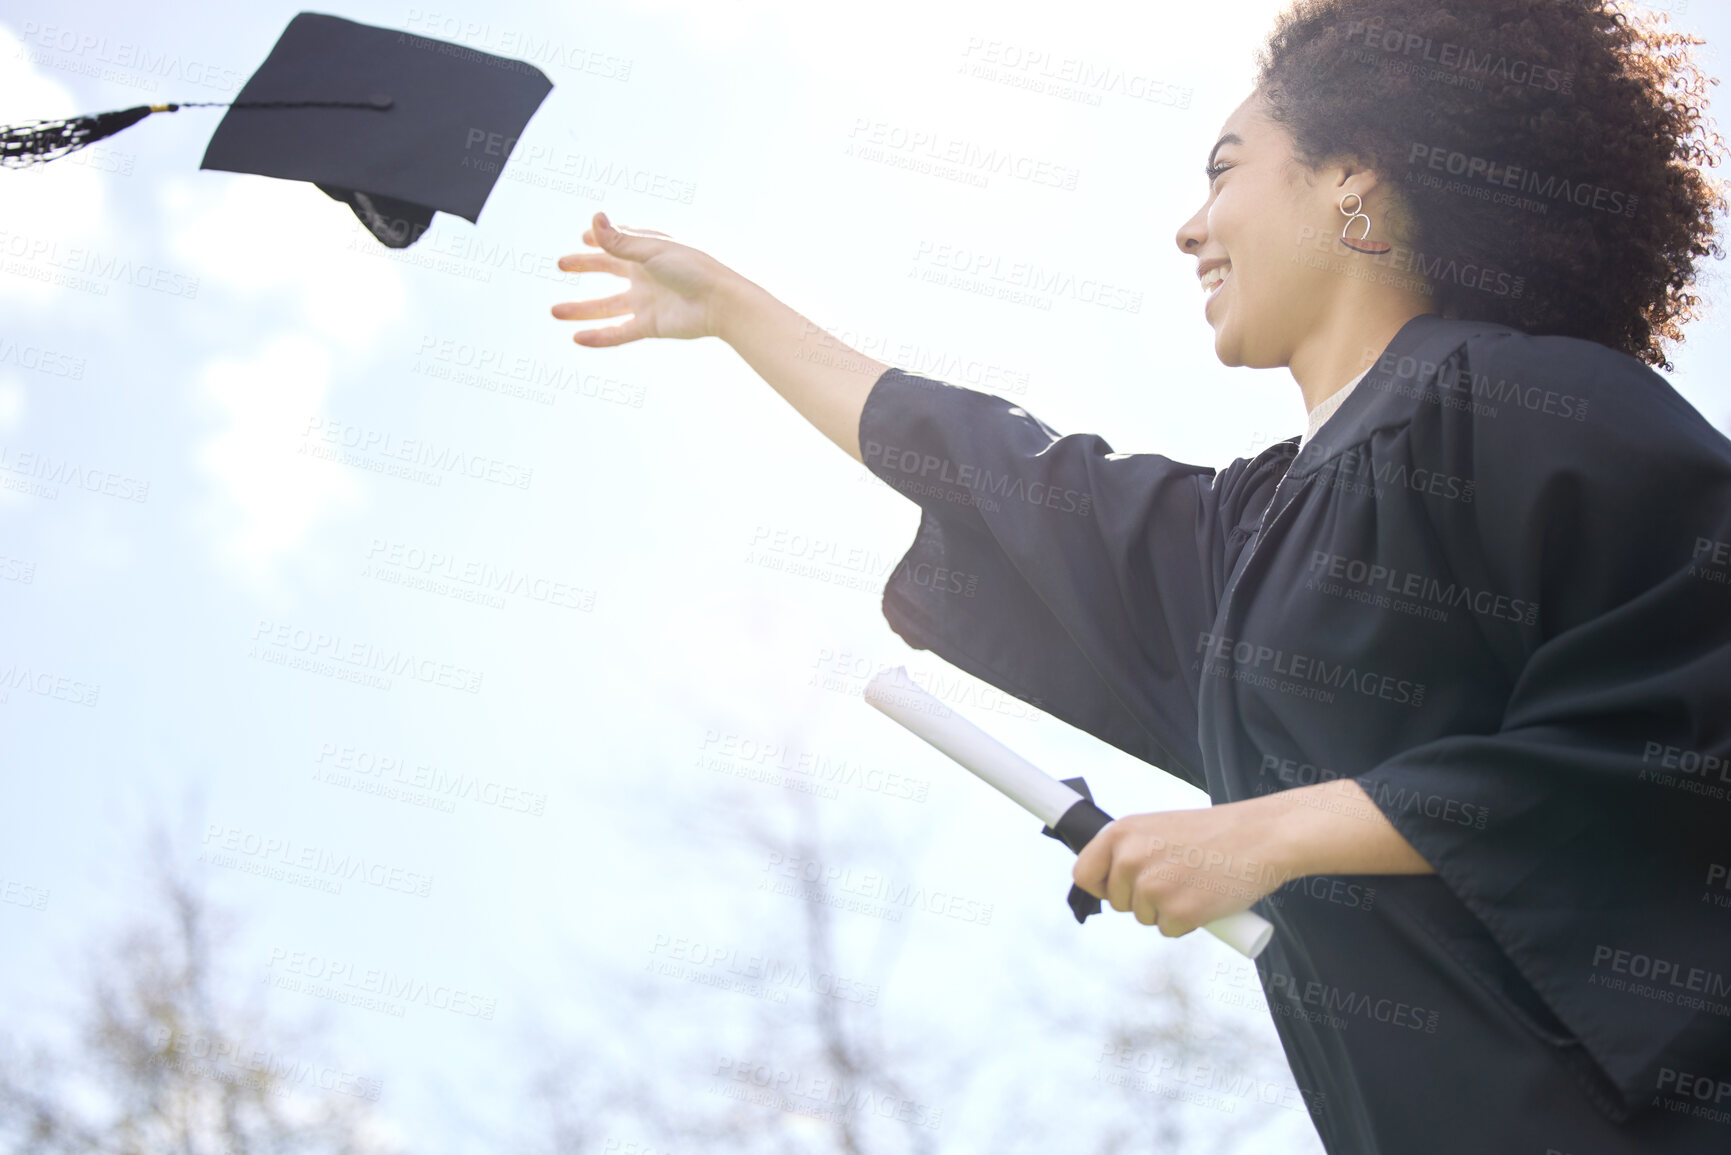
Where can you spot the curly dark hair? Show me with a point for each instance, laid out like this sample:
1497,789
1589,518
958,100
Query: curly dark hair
1459,101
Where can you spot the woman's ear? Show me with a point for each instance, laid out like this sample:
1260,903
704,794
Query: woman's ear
1348,175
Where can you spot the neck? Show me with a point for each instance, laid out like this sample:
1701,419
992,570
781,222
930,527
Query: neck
1347,342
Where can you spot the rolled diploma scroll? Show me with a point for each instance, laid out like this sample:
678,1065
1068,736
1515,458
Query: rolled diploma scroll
894,693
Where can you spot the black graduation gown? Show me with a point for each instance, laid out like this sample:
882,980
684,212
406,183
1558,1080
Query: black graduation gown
1495,589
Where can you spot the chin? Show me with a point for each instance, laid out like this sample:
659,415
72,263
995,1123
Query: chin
1228,349
1233,348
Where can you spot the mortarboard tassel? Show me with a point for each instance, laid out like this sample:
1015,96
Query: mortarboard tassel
40,141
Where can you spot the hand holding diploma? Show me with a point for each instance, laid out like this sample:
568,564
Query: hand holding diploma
1126,856
1181,869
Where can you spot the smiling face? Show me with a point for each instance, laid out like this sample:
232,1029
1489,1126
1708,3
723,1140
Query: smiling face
1261,203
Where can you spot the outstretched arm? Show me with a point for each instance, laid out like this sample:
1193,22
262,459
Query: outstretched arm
826,381
676,291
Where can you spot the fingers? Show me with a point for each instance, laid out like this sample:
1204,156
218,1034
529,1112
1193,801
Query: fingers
609,228
1094,863
632,244
622,255
1136,864
621,248
592,310
1104,870
1154,907
611,335
1143,906
1132,884
1119,883
594,263
618,248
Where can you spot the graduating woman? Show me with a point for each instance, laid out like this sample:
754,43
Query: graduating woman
1470,634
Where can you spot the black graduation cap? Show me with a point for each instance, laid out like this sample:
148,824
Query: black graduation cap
396,126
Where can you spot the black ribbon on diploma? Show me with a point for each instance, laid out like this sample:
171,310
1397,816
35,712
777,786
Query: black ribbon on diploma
1076,828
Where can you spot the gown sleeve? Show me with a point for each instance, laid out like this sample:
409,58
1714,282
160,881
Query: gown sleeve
1607,786
1073,577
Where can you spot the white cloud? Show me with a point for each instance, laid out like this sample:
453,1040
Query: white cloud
248,237
275,277
12,397
268,493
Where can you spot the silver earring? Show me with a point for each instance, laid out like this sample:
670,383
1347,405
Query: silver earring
1363,244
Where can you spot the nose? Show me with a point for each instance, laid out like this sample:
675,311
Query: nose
1193,233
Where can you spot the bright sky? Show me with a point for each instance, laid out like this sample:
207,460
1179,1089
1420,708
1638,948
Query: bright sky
203,340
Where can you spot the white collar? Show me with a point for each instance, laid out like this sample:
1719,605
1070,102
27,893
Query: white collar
1326,409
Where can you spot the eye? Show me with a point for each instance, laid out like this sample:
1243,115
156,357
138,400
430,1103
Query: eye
1214,170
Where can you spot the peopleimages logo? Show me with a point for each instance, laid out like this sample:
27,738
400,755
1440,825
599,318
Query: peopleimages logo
989,267
1293,773
1692,1086
35,357
1375,578
376,988
440,460
1666,980
1325,1004
872,887
823,1097
1579,193
54,472
281,643
1407,267
981,483
870,138
758,975
1457,58
1414,377
318,862
90,270
1244,661
235,1060
94,50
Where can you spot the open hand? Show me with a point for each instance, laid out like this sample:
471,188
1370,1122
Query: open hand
672,290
